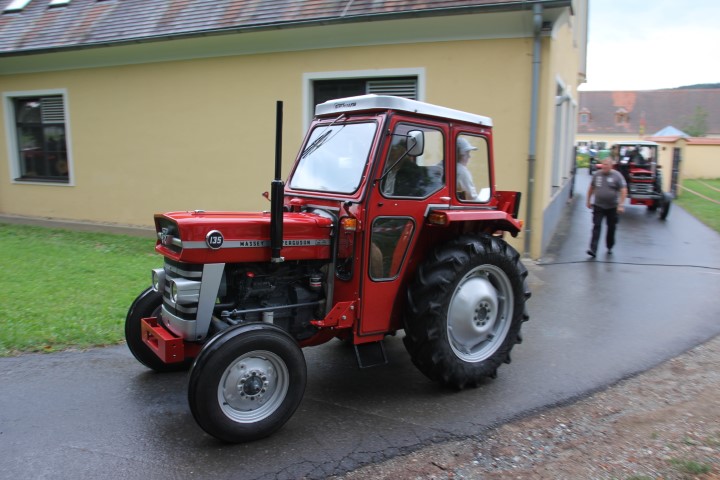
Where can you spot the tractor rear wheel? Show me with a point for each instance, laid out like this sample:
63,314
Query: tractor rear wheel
147,304
465,309
247,382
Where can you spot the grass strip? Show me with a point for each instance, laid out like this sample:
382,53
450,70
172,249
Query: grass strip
65,289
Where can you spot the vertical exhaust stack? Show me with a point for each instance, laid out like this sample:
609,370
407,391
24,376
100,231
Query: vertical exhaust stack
277,191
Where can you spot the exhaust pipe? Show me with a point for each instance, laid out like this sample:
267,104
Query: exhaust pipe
277,191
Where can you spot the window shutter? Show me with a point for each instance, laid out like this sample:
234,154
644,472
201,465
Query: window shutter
400,87
52,110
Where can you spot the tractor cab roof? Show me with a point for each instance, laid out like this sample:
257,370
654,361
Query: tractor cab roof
641,143
387,102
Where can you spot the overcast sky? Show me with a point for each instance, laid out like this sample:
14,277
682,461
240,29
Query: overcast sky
651,44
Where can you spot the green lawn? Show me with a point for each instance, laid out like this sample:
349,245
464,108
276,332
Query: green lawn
64,289
699,198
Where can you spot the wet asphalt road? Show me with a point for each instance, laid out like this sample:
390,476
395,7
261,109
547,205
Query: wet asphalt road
100,414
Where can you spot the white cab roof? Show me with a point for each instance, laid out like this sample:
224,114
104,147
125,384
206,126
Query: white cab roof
637,142
387,102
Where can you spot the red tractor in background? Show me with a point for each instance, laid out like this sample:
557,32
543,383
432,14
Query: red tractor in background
370,236
638,162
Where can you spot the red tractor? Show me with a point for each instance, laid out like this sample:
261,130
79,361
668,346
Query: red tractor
371,235
638,162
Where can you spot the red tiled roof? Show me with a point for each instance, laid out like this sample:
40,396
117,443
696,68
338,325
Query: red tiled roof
655,109
665,139
38,27
703,141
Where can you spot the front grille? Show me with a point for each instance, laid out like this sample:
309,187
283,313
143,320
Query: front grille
178,270
168,234
641,188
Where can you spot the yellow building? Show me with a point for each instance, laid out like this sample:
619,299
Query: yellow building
687,157
113,111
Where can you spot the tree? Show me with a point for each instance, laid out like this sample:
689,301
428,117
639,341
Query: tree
696,125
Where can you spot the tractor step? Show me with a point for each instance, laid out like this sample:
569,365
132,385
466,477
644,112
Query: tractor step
371,354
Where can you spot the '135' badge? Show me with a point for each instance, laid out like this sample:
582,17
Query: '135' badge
214,239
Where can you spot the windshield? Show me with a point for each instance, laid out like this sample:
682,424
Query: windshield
334,158
638,154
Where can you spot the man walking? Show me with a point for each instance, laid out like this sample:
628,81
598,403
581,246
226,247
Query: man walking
609,190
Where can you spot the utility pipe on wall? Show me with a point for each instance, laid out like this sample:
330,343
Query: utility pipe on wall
537,24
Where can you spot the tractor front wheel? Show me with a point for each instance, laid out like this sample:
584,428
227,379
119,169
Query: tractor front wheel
465,309
247,382
665,206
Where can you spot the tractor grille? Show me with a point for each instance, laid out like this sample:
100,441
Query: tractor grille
641,188
180,271
642,177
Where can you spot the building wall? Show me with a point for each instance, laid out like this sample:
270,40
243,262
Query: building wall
701,161
199,134
187,134
665,160
560,70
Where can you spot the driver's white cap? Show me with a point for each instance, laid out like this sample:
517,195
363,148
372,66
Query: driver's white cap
464,146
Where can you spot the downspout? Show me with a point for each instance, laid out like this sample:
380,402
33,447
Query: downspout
537,24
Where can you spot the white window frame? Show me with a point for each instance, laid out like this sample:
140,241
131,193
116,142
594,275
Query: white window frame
564,128
11,136
308,110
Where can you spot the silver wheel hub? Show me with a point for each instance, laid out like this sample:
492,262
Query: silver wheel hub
253,386
480,313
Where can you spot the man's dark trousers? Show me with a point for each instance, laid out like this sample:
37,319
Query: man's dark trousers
611,216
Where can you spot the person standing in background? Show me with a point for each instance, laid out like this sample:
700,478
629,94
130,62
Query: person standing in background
608,191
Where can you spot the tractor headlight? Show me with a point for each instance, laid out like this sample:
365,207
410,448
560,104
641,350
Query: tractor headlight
173,292
158,280
183,291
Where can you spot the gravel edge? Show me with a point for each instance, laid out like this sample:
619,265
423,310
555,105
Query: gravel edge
660,424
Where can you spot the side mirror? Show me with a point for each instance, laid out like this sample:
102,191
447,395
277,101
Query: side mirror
415,143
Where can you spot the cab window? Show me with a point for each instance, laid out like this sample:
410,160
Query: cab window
414,167
472,174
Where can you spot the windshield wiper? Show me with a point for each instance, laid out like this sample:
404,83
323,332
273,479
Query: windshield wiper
321,139
316,144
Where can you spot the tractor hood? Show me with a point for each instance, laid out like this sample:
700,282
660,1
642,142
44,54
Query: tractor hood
232,237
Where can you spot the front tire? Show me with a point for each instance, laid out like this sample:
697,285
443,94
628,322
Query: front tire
247,382
465,309
665,207
147,304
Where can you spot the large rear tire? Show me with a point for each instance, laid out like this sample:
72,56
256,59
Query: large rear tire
147,304
247,382
465,309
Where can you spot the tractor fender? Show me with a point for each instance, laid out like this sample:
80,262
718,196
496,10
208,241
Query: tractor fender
500,220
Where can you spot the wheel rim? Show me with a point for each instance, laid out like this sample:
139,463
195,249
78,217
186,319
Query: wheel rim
480,313
253,386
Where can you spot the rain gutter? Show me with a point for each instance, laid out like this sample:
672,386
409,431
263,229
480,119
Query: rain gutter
534,100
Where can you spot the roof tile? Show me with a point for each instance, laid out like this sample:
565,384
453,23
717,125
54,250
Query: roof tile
90,22
655,109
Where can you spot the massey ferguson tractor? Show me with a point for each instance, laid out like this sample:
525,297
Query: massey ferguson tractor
370,236
638,162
